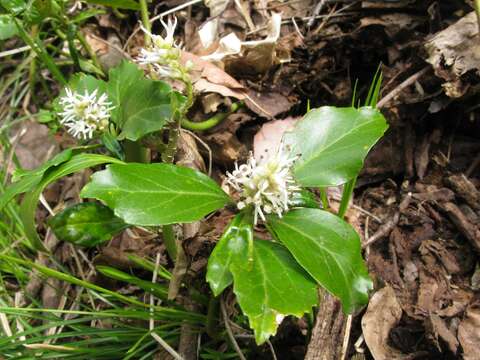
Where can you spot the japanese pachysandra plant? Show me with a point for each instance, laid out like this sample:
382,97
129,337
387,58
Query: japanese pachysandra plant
307,246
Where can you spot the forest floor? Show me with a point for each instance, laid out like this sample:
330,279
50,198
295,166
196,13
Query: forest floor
416,204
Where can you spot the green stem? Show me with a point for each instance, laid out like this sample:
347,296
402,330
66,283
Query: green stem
170,241
71,46
173,134
346,196
168,156
119,14
212,317
145,19
210,123
89,50
134,152
324,198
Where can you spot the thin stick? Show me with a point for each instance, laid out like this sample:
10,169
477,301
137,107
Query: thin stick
348,328
167,347
5,325
274,356
113,46
229,330
392,94
45,204
362,210
14,51
152,304
316,11
387,228
175,9
297,29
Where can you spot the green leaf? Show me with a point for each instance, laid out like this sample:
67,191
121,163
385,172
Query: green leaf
13,6
86,224
82,83
272,287
45,270
235,240
55,161
333,142
155,194
44,116
328,248
7,27
87,14
120,4
30,201
142,105
303,198
113,145
25,180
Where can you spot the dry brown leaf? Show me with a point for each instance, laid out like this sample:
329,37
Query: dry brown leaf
216,6
454,51
440,331
267,140
35,145
268,104
249,56
469,333
208,77
393,23
382,314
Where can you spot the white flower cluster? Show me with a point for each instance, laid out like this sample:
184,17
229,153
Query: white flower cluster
84,114
163,53
268,186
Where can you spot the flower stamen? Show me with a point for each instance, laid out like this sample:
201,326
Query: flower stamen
84,114
267,186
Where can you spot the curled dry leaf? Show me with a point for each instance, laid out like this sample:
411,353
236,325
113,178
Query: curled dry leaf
249,56
455,51
382,314
208,77
208,33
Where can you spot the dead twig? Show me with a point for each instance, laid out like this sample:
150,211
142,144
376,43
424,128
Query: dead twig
469,230
229,330
386,228
346,337
167,347
395,92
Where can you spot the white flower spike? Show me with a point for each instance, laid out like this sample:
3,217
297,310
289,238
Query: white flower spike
163,53
84,114
268,186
